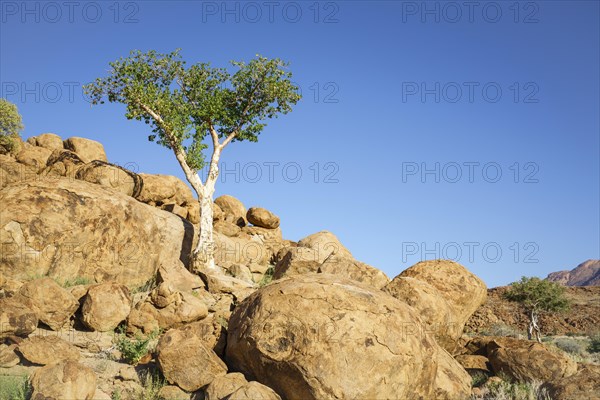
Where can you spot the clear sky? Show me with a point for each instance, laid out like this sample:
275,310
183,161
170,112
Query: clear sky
462,130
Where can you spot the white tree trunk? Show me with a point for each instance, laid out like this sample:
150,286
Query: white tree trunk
203,256
534,328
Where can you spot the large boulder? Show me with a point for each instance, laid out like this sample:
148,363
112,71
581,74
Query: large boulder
526,361
33,156
65,380
217,213
8,357
209,330
49,141
296,261
170,392
9,287
233,209
62,163
105,306
272,239
186,361
463,291
262,218
179,278
164,189
46,350
16,318
352,269
254,391
434,310
451,382
474,363
12,171
235,250
87,149
302,260
227,228
68,229
224,385
584,384
166,308
317,336
325,244
111,176
218,282
52,304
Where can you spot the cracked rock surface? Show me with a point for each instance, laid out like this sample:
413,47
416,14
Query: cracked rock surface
317,336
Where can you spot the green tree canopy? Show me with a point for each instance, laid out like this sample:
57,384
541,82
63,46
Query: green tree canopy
11,124
185,105
199,101
537,295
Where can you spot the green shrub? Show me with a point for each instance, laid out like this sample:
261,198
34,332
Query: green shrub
151,385
150,285
594,346
569,345
11,143
536,296
223,322
478,379
10,126
500,329
505,390
67,283
133,349
267,277
15,388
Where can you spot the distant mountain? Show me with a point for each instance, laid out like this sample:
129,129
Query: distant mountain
585,274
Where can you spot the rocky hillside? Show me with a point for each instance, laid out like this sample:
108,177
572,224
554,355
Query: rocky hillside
583,316
97,301
585,274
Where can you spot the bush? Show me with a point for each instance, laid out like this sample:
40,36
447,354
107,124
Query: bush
151,385
15,388
594,346
267,277
500,329
148,286
10,126
133,349
535,296
505,390
569,345
67,283
478,379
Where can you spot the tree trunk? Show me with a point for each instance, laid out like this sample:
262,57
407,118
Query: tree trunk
534,328
203,256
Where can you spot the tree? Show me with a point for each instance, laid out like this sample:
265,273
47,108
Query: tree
537,295
184,106
11,125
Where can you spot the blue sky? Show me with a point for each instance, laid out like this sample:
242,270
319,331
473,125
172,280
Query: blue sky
426,130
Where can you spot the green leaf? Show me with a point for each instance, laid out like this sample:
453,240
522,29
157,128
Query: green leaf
189,102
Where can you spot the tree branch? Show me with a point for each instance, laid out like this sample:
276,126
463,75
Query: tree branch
213,135
180,154
234,133
229,138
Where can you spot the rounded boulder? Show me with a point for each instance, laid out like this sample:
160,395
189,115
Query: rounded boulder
316,336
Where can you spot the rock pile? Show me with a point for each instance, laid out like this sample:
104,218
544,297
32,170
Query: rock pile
94,274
